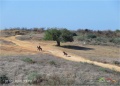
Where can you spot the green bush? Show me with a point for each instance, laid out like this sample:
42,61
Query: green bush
66,35
52,63
118,31
35,78
47,37
90,36
74,34
28,60
80,38
115,40
101,39
58,35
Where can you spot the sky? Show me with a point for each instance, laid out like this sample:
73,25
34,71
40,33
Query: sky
70,14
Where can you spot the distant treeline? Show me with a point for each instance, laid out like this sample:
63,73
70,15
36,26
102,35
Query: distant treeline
103,33
21,31
106,37
108,33
25,29
96,37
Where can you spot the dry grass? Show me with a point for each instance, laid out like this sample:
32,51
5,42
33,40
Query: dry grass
45,72
98,53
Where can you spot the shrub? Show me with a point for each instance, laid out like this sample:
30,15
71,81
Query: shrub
80,38
89,36
4,79
28,60
117,62
56,80
52,80
35,78
74,34
115,40
117,31
52,63
101,39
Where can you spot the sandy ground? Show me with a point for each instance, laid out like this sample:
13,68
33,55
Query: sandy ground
29,47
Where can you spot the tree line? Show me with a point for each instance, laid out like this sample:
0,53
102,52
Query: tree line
64,35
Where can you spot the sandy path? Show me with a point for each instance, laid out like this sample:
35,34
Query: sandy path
31,46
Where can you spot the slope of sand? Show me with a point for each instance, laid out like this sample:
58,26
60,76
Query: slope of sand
30,46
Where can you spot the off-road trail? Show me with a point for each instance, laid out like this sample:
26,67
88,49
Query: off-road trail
49,48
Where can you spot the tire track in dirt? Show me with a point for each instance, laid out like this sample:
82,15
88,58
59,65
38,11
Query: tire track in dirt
31,46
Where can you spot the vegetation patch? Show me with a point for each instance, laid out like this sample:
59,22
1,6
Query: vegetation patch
115,40
107,37
58,35
52,80
116,62
53,63
35,78
28,60
4,79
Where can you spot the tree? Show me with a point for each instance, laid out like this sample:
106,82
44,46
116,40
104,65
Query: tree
58,35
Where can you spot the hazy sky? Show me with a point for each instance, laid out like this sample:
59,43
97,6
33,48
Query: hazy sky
70,14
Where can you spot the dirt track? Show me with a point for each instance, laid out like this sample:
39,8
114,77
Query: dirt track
48,48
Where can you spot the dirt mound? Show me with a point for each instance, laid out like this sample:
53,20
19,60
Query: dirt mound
24,37
2,41
31,37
